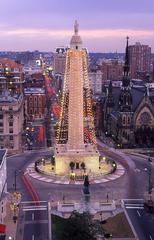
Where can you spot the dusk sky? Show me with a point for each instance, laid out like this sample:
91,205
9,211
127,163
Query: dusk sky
104,24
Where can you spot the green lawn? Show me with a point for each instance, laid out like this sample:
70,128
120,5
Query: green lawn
57,226
118,226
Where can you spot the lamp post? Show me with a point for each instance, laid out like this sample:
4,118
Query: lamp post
149,180
149,185
149,175
15,179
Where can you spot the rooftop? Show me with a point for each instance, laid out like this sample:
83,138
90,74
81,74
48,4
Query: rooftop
34,90
2,153
5,62
7,98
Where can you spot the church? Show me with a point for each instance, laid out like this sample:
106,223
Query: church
128,112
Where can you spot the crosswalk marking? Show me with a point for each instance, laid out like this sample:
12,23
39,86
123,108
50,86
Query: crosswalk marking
134,204
34,209
26,207
137,207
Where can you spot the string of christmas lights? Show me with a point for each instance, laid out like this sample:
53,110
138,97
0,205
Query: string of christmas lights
89,112
64,103
62,129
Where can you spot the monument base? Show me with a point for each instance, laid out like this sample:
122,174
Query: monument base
89,157
62,163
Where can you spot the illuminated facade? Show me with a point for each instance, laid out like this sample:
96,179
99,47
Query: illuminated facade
11,105
76,141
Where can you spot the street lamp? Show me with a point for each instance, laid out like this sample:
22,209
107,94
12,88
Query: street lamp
149,178
150,183
107,197
15,179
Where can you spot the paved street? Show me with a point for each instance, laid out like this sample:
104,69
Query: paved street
35,137
34,222
131,185
127,186
20,163
142,221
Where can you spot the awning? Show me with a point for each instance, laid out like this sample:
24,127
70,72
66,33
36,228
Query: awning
2,228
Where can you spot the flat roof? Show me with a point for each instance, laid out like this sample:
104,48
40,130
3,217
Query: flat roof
34,90
9,99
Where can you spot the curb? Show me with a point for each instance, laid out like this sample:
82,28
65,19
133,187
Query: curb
49,179
129,221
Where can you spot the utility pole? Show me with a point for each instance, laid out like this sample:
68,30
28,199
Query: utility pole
149,185
15,180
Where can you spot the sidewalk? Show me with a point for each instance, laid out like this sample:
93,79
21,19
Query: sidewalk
65,180
11,227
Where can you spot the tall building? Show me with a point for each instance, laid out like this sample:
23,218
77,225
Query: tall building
11,105
140,61
3,185
35,103
112,69
59,60
76,135
96,82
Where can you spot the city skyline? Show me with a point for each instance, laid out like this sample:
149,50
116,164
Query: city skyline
103,25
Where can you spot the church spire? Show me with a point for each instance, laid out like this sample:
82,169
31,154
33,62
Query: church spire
126,78
126,66
125,100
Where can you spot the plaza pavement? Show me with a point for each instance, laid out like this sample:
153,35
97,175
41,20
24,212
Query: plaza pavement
11,227
120,171
65,180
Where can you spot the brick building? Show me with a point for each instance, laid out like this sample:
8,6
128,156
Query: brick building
59,60
112,69
140,61
35,103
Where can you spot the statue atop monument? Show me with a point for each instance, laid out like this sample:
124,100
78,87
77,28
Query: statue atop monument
76,41
76,27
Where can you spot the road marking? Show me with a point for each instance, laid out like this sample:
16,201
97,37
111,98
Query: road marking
138,213
31,206
33,202
150,237
134,204
33,238
32,216
34,209
135,207
133,199
49,220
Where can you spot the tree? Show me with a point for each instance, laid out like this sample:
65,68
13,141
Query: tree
83,165
80,227
72,165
